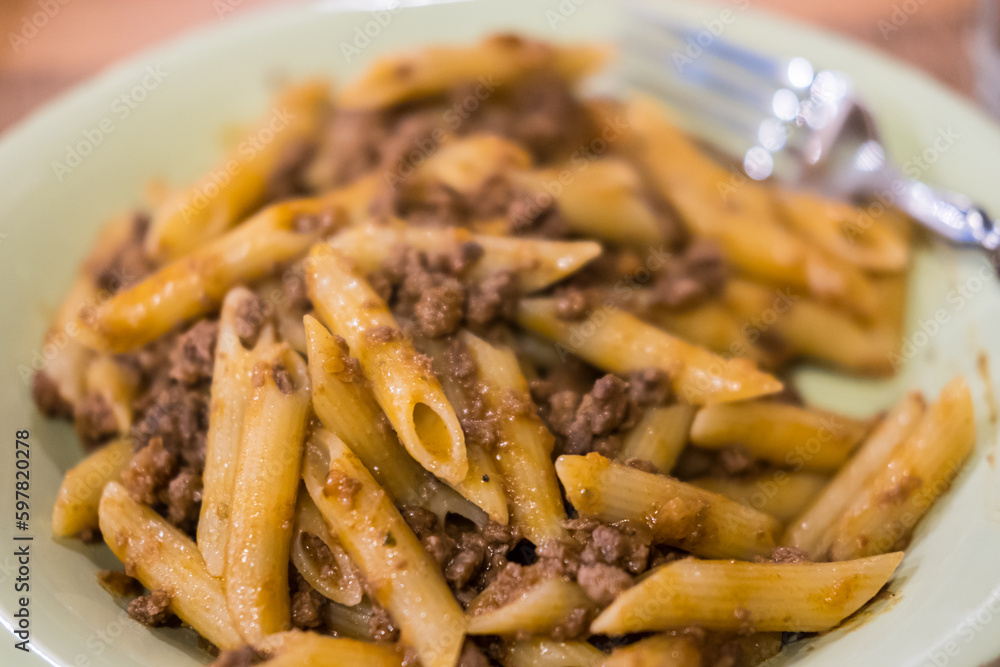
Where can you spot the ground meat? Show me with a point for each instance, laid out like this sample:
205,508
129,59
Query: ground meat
149,472
249,320
381,626
128,264
184,498
608,404
470,558
626,546
571,304
306,607
46,395
118,584
246,656
287,177
492,199
383,334
439,311
342,487
193,356
350,148
282,379
472,657
694,275
438,205
540,112
152,609
94,421
178,415
735,460
603,582
494,297
789,555
648,387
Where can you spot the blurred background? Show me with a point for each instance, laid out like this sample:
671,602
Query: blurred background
78,38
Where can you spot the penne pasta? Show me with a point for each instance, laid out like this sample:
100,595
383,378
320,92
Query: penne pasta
76,504
601,200
815,330
401,575
523,443
237,186
783,495
408,393
195,284
679,514
538,611
742,220
536,263
230,394
883,515
466,163
659,437
263,496
657,651
482,484
541,652
619,342
309,649
333,574
714,326
344,404
727,595
808,529
780,433
845,231
430,72
163,558
106,378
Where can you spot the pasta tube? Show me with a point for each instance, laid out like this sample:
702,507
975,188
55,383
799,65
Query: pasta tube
400,573
264,489
619,342
163,558
780,433
808,529
726,595
679,514
408,393
80,492
221,198
918,471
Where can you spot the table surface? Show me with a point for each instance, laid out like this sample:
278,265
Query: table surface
84,36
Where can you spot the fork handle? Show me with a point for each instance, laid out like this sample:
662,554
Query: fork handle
950,214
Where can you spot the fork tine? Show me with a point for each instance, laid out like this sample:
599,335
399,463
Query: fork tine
795,73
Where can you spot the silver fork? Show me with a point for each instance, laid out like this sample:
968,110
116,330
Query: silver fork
787,120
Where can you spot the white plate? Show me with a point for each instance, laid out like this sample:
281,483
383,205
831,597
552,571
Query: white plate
947,591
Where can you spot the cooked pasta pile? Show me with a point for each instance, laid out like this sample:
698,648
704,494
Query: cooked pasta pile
462,368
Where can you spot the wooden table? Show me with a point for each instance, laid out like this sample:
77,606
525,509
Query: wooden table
83,36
